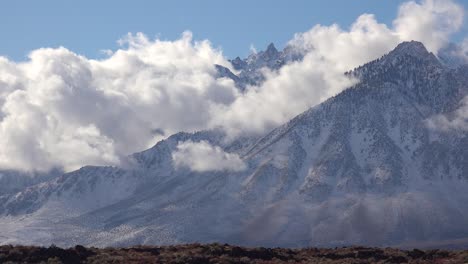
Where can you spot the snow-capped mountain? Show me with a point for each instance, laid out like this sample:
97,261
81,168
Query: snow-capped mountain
363,167
250,68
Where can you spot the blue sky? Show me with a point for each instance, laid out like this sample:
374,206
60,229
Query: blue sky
86,26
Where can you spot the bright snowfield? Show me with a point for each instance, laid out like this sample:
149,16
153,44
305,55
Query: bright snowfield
366,166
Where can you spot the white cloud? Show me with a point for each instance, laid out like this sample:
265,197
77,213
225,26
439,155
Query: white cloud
364,41
464,46
330,51
252,49
202,156
106,52
456,121
283,95
431,22
60,109
463,51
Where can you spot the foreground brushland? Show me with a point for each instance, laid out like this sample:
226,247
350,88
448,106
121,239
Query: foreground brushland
217,253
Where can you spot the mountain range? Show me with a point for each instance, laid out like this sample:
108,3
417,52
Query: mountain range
363,167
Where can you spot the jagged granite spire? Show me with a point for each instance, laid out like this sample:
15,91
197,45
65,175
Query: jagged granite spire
238,63
250,68
271,50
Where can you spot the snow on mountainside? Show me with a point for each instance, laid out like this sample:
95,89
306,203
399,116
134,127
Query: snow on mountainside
361,168
14,181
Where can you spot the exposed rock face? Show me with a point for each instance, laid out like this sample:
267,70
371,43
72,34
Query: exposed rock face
250,68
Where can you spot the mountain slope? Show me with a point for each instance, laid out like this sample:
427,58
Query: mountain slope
361,168
14,181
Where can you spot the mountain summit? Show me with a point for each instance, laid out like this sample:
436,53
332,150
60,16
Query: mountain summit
363,167
271,50
412,48
250,68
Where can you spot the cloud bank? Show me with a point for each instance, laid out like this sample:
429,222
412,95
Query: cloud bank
331,51
431,22
202,157
62,110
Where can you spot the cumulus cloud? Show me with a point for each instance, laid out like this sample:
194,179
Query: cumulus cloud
464,47
202,156
60,109
331,51
462,51
295,88
456,121
431,22
364,41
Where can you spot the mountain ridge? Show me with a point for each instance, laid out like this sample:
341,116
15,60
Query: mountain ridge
362,167
250,68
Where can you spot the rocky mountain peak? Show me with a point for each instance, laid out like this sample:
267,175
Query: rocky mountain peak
413,49
408,63
250,68
271,50
238,63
